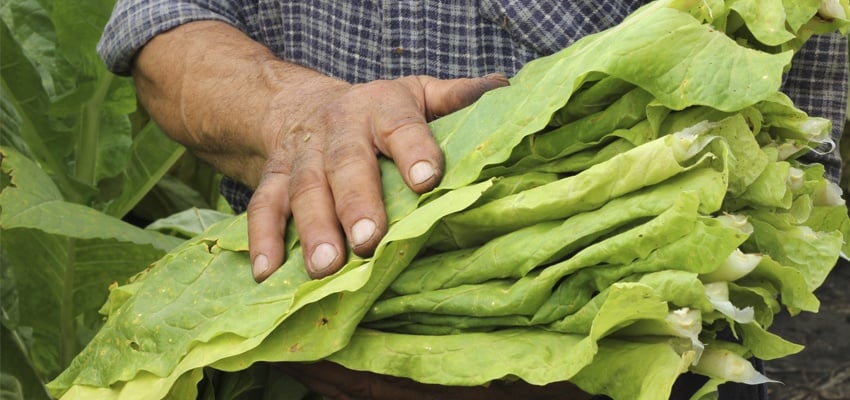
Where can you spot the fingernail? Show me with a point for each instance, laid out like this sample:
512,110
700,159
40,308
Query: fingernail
260,265
497,77
322,257
362,231
421,172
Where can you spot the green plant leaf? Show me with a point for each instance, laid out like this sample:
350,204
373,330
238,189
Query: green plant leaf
73,113
766,19
31,200
18,379
151,156
618,358
188,223
65,281
97,102
63,256
690,55
24,93
215,267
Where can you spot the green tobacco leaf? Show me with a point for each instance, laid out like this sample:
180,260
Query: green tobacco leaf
765,345
790,282
769,190
525,296
534,355
97,102
765,19
72,111
29,21
79,26
516,253
644,370
799,12
582,133
640,167
151,155
686,72
784,120
814,254
747,161
32,201
65,281
211,276
832,218
23,92
63,256
10,125
615,307
678,288
702,250
188,223
595,96
18,379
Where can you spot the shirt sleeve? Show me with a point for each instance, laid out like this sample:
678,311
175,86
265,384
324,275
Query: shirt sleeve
134,22
818,84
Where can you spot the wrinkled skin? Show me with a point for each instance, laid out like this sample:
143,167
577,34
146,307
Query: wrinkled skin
325,172
307,143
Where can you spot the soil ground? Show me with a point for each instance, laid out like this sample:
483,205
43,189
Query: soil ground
822,370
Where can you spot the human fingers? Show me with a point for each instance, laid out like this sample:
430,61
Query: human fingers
445,96
334,181
369,118
402,130
355,180
268,211
313,209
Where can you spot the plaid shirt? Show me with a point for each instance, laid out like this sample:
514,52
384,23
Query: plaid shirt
364,40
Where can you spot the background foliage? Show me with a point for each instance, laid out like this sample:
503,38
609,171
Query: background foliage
82,169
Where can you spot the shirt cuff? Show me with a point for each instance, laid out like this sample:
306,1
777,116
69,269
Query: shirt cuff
134,23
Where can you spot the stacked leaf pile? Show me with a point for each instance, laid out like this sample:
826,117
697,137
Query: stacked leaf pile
628,210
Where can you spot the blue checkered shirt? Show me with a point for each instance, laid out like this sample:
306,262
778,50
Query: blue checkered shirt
363,40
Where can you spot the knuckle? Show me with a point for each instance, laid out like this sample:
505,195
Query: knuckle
378,86
306,182
261,201
402,125
347,202
277,163
348,155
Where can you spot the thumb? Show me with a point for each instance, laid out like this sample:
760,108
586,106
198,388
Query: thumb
445,96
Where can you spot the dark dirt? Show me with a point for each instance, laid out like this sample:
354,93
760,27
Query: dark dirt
822,370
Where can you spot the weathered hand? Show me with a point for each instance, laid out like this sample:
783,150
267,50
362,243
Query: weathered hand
339,383
323,166
306,141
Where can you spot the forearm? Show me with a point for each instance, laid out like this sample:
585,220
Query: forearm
223,95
